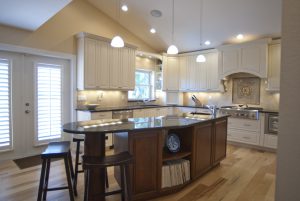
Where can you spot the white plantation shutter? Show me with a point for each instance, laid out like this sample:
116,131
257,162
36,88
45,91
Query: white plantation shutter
49,101
5,106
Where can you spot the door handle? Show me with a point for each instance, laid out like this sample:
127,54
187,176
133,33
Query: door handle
27,111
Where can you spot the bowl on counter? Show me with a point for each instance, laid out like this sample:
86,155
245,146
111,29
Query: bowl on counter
91,106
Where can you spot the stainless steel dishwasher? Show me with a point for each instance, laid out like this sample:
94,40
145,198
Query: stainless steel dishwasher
122,114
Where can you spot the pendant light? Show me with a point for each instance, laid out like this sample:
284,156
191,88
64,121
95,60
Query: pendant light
117,41
201,58
172,48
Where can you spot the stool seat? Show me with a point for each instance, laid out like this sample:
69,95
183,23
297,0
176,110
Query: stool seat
122,160
107,161
56,149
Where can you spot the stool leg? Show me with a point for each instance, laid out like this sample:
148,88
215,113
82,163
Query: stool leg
48,164
128,184
71,164
67,166
122,182
42,180
106,178
76,168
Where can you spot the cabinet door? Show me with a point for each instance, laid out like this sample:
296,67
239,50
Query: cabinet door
115,69
193,70
183,73
220,140
201,76
127,62
228,61
90,67
171,74
101,115
102,61
274,67
202,149
144,148
213,81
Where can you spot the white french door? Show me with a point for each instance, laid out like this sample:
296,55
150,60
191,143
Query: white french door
35,100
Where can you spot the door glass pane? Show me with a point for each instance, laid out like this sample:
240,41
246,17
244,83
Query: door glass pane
49,99
5,109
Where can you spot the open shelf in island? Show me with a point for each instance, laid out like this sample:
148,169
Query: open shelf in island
167,156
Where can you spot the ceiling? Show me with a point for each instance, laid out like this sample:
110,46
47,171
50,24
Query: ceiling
222,21
29,14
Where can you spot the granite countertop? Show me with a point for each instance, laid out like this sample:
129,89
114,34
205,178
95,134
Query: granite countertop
125,125
133,107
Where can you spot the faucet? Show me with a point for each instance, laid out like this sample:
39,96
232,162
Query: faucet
212,109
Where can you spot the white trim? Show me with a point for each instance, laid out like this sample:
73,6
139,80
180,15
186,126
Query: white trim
39,52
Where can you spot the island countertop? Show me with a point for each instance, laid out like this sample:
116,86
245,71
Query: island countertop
130,124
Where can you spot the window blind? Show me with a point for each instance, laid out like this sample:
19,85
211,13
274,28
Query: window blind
5,114
49,99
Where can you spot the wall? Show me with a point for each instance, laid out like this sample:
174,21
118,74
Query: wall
288,167
57,34
269,101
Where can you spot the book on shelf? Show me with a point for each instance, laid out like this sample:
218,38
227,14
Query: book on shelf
175,172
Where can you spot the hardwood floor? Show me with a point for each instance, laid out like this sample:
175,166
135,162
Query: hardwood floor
245,175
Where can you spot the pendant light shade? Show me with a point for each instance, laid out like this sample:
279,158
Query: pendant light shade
172,50
200,58
117,41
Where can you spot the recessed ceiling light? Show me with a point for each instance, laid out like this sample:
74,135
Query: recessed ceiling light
152,30
207,42
156,13
124,8
240,36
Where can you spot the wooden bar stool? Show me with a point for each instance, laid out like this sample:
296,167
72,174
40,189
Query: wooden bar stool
122,160
55,150
78,139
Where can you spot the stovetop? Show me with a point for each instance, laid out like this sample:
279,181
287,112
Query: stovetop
241,112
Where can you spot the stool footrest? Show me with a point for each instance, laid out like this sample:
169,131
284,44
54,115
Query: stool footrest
113,192
57,188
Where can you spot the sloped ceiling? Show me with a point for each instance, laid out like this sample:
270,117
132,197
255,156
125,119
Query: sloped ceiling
222,21
29,14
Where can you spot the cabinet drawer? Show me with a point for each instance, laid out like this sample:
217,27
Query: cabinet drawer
101,115
243,136
245,124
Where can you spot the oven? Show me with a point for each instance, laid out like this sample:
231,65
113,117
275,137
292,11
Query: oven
271,123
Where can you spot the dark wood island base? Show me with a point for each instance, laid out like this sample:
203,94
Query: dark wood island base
202,144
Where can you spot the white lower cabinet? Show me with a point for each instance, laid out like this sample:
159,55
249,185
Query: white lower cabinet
244,131
87,115
270,141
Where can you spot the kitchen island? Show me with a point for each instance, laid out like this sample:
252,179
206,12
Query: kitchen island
203,141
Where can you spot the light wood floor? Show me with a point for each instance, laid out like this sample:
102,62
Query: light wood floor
245,175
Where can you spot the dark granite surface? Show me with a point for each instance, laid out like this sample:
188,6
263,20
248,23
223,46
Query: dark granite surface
117,125
133,107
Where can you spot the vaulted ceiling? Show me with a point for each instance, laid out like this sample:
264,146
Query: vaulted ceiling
222,20
29,14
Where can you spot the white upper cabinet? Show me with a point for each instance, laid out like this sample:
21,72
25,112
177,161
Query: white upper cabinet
274,67
170,73
195,76
102,67
250,57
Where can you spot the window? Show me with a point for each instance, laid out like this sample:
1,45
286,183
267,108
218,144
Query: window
49,99
5,106
143,86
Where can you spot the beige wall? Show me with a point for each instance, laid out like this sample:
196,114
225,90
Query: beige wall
57,34
288,168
